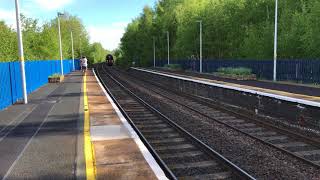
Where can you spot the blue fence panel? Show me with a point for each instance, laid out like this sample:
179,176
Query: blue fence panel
37,73
16,84
67,66
32,75
55,65
5,85
77,64
299,70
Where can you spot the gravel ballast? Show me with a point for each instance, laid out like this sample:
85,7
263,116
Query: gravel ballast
260,160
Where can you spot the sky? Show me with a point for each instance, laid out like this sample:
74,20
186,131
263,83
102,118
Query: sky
105,20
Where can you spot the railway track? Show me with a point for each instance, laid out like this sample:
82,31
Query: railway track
180,154
298,146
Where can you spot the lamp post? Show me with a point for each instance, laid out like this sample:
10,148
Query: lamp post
80,46
72,52
168,40
154,52
200,22
21,54
60,43
275,42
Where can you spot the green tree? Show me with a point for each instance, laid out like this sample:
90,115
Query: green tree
97,53
8,40
42,42
232,29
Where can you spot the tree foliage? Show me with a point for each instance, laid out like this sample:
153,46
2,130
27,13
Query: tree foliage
237,29
8,49
41,42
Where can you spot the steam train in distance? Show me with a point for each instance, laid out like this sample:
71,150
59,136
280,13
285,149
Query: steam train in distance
109,60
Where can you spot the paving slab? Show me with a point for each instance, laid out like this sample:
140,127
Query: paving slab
121,159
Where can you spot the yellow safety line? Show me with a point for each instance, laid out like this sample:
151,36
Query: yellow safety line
88,146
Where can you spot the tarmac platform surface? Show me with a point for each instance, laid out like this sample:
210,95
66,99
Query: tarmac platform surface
39,140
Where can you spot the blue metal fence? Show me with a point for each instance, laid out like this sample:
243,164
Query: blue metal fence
5,85
306,71
37,73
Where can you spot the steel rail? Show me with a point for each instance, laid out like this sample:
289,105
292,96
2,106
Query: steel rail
214,154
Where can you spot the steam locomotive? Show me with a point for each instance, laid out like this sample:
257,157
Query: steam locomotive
109,59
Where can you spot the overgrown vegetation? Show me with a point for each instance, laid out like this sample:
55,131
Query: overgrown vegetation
173,66
55,75
239,73
232,29
41,42
235,71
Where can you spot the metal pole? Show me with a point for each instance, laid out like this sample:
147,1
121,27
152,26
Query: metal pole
80,46
72,51
275,43
168,39
200,46
21,55
60,45
154,52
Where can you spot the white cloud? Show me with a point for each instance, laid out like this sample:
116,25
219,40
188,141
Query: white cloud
48,4
108,36
9,17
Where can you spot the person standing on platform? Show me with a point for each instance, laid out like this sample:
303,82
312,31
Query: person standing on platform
84,64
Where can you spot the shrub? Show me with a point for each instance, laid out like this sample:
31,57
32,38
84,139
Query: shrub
173,66
235,71
55,75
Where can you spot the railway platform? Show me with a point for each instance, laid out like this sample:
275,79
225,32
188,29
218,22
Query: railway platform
303,94
71,130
